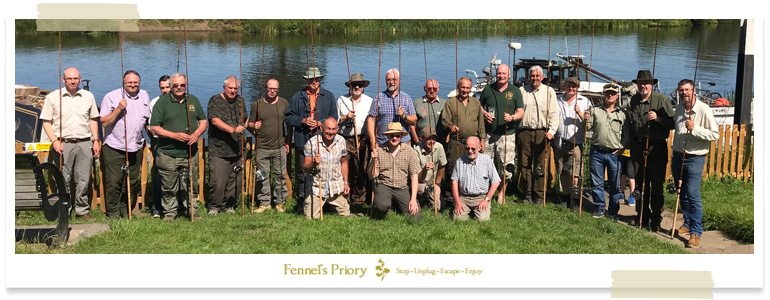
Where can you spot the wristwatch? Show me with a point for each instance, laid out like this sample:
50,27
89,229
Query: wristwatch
486,198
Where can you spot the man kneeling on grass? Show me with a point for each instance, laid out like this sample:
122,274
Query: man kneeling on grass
327,162
474,181
392,163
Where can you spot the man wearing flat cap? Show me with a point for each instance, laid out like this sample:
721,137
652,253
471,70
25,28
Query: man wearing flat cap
652,115
352,111
393,164
569,138
307,110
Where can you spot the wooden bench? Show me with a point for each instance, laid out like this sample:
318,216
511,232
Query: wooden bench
32,194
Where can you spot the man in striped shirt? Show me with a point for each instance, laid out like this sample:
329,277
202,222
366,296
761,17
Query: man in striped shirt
329,158
474,181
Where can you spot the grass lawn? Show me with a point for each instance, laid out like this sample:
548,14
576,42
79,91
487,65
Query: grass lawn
513,229
728,206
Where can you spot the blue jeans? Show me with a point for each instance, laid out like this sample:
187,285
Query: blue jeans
689,194
598,162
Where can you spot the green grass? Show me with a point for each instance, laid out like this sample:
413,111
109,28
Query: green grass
728,206
513,229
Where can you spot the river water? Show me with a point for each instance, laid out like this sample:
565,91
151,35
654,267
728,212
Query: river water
211,57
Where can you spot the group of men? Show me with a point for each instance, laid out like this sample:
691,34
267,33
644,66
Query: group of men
401,150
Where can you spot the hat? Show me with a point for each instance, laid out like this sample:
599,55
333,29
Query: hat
395,128
644,76
428,132
610,87
313,73
574,81
358,77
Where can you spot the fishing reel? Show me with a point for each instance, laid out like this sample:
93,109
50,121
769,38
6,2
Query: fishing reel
314,170
237,169
124,169
260,175
567,166
575,189
637,194
671,188
375,181
539,171
184,173
510,167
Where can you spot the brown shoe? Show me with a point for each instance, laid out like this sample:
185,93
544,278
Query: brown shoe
280,208
694,241
682,230
85,217
262,208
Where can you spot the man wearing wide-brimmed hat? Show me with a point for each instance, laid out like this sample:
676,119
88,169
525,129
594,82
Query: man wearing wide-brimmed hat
307,110
392,164
352,111
651,116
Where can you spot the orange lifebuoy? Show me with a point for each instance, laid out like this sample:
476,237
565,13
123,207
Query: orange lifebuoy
721,102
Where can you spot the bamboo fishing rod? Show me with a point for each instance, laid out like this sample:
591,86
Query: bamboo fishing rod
347,61
318,132
647,143
240,118
457,93
585,128
574,135
547,117
681,171
377,115
505,134
187,107
61,111
430,124
126,171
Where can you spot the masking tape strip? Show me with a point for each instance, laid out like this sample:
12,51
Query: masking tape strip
87,17
662,284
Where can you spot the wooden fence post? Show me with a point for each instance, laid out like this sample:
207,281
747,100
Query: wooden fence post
726,150
712,156
733,150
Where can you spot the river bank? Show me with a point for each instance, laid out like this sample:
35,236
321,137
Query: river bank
331,26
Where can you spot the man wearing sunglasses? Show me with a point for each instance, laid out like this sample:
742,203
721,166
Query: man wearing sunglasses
611,134
266,122
428,109
396,165
474,181
308,108
351,110
178,120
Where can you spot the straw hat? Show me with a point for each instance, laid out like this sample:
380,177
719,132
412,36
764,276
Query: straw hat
395,128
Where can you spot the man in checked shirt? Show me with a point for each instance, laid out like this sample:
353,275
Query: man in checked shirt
474,181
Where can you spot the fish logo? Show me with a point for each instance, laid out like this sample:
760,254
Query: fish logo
509,95
191,107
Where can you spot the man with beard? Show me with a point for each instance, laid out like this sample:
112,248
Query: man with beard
179,121
352,124
502,106
694,128
537,127
227,116
428,109
266,122
651,116
474,181
389,106
307,110
462,118
69,121
124,114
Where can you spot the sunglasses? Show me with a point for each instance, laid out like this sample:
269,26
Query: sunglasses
182,85
357,85
431,88
472,148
